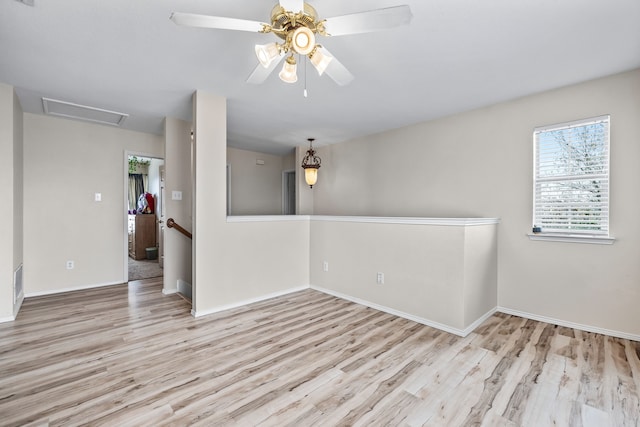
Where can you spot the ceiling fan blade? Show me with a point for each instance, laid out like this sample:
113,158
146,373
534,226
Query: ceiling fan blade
219,22
336,70
260,74
365,22
294,6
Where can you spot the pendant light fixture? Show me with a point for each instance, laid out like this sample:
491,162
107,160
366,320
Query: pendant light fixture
311,164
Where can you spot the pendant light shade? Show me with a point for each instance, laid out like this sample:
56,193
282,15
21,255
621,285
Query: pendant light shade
288,73
311,176
311,164
320,59
266,53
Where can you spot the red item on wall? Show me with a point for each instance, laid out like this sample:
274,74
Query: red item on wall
150,203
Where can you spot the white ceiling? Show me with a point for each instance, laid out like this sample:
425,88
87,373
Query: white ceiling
456,55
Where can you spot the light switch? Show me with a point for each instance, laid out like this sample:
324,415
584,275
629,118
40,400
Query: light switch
98,197
176,195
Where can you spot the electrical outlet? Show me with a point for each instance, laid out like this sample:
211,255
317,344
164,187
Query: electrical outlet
98,197
380,278
325,266
70,265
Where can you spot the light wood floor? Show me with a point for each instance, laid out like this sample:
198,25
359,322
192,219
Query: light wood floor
128,355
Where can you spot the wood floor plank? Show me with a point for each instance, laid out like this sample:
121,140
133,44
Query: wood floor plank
128,355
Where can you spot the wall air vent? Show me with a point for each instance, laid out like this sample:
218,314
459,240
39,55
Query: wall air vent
82,112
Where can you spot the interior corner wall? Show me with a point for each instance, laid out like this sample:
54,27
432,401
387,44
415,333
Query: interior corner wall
65,163
7,190
177,248
480,164
235,263
289,161
256,189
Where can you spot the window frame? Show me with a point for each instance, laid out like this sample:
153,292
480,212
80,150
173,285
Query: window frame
571,236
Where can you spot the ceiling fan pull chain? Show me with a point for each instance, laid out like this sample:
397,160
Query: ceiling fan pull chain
305,76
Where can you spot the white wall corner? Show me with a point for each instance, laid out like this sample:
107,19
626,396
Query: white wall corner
466,331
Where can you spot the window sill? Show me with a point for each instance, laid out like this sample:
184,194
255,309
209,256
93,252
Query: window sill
572,238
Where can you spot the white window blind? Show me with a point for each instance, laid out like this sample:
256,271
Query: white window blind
571,177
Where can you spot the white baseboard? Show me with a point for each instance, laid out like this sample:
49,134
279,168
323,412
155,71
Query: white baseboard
17,306
77,288
421,320
7,319
218,309
568,324
169,291
437,325
479,321
183,287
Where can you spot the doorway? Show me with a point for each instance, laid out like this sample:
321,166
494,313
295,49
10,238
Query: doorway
144,201
289,192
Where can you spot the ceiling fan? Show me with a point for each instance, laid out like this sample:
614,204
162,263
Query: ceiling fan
297,24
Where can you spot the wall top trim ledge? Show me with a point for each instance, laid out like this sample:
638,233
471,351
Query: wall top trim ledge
408,220
267,218
460,222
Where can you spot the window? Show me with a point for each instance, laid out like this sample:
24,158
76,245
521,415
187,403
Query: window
571,178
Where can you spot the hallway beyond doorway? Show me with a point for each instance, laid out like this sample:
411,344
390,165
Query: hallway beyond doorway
144,269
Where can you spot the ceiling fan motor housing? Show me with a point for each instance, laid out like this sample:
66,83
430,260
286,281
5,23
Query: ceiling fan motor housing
283,22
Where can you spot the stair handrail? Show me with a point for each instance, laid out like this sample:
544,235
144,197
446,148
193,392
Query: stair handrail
172,224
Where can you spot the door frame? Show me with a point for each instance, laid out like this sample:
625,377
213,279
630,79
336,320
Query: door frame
125,205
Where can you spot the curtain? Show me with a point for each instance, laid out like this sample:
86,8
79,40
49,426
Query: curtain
136,188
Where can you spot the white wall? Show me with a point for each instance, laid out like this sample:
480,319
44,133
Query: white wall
289,161
479,164
11,193
255,189
236,262
177,248
438,273
65,163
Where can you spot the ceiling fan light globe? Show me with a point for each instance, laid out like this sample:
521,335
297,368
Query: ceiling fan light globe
303,41
320,59
289,71
266,53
